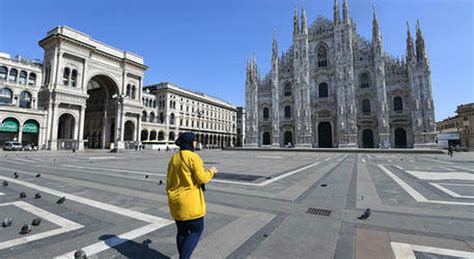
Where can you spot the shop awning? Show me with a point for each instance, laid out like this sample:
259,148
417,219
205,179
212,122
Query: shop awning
9,125
30,127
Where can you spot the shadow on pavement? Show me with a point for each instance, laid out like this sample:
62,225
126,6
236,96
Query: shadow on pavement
132,249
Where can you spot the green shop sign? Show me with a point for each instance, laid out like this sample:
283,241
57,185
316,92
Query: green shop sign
30,127
9,126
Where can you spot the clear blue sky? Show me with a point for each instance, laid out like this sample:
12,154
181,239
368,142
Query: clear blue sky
203,45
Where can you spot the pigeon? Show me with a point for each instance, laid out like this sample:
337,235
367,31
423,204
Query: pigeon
62,200
36,222
80,254
160,182
25,229
38,195
7,222
22,195
324,185
146,176
365,215
38,175
5,183
15,174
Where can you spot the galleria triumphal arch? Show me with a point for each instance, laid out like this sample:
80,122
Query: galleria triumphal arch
92,92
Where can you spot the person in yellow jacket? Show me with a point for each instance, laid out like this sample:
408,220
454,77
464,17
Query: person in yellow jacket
184,186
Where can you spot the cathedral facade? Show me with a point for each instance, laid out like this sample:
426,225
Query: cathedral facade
333,88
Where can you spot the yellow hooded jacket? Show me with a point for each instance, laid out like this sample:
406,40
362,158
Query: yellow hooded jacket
183,185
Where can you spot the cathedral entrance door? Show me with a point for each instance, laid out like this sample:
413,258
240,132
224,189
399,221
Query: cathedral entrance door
325,135
400,138
266,138
288,137
367,138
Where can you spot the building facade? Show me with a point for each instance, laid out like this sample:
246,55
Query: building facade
333,88
87,94
20,83
461,126
174,110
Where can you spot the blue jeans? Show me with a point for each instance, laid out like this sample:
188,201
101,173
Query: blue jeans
189,232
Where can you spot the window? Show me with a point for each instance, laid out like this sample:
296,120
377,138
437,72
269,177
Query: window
287,90
3,73
172,119
323,90
287,112
366,106
23,76
364,81
398,104
73,78
265,113
6,96
25,100
32,79
134,92
152,117
129,90
322,56
13,75
66,74
162,118
144,116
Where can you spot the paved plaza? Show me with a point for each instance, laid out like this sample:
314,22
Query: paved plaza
261,205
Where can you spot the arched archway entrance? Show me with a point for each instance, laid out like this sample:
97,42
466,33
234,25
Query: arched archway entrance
367,138
153,135
30,132
400,138
171,136
325,134
144,135
129,131
288,138
103,112
9,130
66,125
266,138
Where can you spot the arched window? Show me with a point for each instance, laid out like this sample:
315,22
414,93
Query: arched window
3,72
32,79
366,106
287,112
323,90
265,113
172,119
364,81
25,100
73,78
129,90
162,118
398,104
152,117
66,74
6,96
287,90
322,56
23,76
13,75
171,136
144,116
134,92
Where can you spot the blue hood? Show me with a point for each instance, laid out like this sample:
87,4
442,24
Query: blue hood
185,141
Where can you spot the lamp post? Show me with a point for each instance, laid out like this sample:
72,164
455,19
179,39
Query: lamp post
199,114
118,142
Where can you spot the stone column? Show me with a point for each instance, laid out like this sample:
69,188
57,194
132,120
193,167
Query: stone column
80,135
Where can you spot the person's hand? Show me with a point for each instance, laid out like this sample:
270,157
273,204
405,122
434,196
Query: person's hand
213,169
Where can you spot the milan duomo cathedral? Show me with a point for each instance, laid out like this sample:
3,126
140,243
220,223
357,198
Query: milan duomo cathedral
333,88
